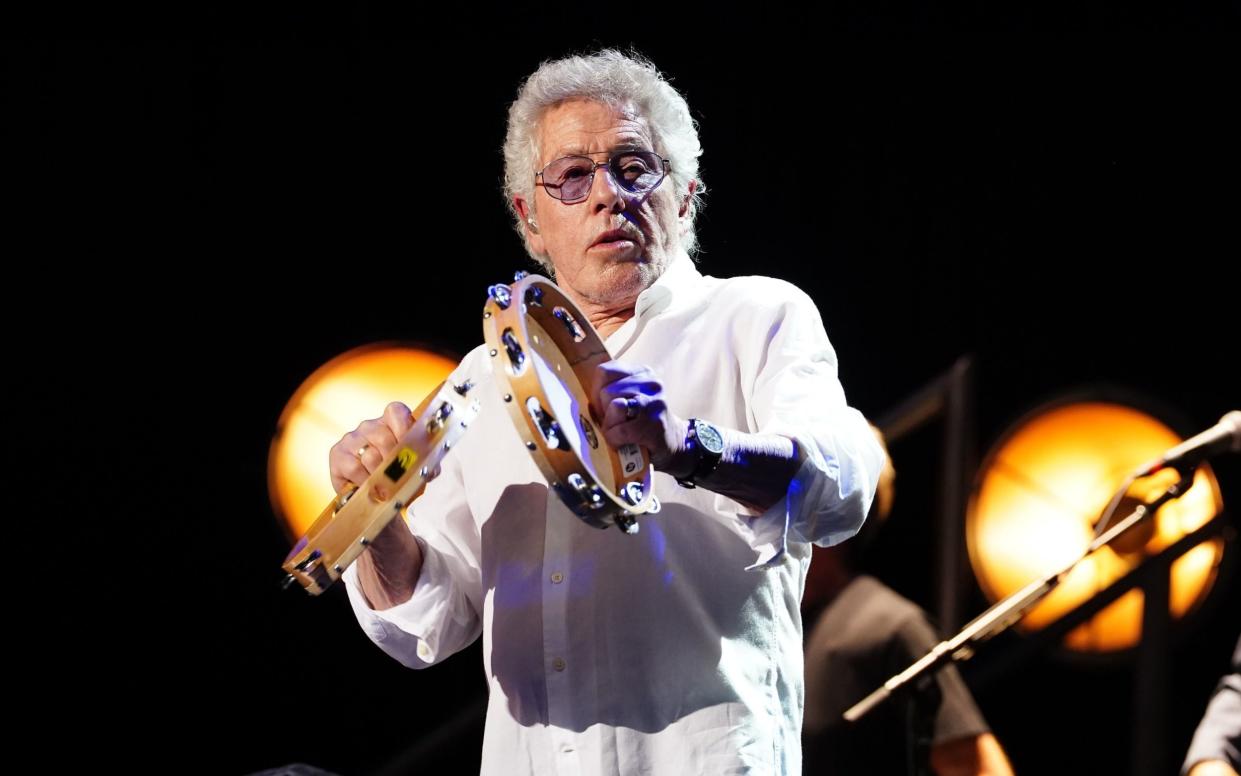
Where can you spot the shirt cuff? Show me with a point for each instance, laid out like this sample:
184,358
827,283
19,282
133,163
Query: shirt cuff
819,506
767,533
427,608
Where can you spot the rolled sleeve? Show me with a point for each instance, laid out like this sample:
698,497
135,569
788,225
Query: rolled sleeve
443,616
798,395
435,622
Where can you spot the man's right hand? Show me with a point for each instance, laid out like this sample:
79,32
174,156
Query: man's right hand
362,450
388,570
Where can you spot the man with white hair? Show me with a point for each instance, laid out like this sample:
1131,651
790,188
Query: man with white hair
678,650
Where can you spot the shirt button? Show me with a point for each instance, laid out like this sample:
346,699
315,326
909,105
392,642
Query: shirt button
558,664
557,578
424,651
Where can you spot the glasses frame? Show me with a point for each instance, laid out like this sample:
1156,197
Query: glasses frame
550,188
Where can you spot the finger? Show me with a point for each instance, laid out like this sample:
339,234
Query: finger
343,462
607,376
369,456
609,372
378,442
656,430
616,403
644,383
351,472
627,433
622,409
398,418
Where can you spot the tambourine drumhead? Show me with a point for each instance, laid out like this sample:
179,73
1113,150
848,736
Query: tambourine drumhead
567,398
544,353
357,515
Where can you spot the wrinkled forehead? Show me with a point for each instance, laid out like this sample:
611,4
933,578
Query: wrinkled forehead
582,126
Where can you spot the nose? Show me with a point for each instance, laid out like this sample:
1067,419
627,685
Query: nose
605,195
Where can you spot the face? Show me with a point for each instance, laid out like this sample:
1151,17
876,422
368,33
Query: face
610,247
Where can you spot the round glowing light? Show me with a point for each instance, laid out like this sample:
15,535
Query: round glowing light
331,402
1038,497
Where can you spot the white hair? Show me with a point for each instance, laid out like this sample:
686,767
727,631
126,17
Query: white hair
618,80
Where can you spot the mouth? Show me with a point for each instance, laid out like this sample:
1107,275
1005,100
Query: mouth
614,238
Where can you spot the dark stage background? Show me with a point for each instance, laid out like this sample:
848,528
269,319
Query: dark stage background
211,204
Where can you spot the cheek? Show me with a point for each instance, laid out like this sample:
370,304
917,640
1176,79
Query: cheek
664,222
537,243
559,242
665,207
570,234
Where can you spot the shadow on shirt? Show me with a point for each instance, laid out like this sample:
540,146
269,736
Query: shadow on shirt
650,628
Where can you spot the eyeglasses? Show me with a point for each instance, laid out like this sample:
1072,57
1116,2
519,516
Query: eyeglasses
569,178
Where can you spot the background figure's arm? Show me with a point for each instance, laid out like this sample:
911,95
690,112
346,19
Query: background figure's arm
979,755
1217,741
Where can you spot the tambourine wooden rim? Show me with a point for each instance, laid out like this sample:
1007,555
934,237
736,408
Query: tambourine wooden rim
357,515
533,319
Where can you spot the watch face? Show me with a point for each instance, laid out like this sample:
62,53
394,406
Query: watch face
709,437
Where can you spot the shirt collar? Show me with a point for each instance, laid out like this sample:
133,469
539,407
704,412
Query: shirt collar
676,284
680,277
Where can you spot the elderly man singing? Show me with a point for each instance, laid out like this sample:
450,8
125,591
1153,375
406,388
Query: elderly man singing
678,650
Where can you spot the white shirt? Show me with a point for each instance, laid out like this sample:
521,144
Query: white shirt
674,651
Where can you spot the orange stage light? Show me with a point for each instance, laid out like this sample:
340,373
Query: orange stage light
331,402
1039,494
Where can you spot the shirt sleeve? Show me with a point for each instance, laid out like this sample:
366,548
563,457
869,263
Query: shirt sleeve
443,616
797,394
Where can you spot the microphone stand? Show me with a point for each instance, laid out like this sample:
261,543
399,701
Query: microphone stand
1001,617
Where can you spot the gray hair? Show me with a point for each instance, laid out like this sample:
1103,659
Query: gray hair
612,78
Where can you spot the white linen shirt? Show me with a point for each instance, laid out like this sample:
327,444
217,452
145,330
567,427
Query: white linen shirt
674,651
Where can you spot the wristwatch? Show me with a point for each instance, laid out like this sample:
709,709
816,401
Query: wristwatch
706,444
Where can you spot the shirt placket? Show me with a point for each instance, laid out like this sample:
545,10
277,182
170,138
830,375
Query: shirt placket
559,664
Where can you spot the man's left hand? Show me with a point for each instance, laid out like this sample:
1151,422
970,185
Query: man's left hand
629,400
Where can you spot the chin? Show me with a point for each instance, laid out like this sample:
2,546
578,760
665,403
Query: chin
638,266
622,280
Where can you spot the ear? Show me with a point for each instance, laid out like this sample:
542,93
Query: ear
529,223
689,196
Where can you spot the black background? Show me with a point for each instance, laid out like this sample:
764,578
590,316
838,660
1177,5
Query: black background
207,205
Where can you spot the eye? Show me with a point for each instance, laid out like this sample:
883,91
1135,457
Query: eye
633,171
568,169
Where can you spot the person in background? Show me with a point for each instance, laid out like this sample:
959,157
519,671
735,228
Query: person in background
859,634
1216,746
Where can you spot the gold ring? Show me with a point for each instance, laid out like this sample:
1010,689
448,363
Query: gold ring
361,451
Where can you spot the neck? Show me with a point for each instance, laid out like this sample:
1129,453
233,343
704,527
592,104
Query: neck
608,321
605,318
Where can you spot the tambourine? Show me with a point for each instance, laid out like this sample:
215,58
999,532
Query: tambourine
544,353
357,514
